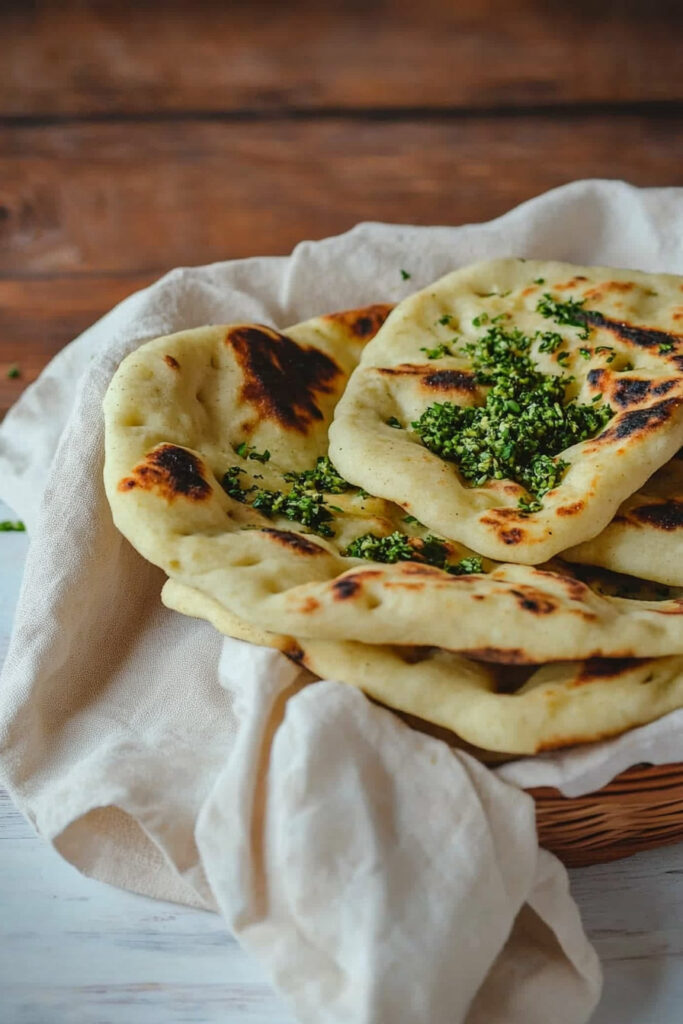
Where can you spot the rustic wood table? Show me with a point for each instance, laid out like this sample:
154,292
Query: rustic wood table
139,137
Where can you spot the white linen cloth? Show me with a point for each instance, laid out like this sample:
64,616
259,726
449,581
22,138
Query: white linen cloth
379,876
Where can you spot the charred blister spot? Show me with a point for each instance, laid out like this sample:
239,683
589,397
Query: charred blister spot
511,536
499,655
294,541
281,378
345,588
571,510
603,289
643,337
362,323
417,569
450,380
630,391
530,600
576,589
171,472
604,668
499,518
573,283
173,363
639,421
663,388
294,652
667,515
595,378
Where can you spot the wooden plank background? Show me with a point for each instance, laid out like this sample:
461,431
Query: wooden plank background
137,137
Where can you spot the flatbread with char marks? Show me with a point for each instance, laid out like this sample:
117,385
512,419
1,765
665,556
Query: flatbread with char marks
253,405
587,338
556,706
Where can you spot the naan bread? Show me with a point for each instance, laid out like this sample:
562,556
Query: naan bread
176,412
558,705
630,319
645,538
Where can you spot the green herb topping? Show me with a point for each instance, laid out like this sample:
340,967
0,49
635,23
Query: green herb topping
539,280
523,425
569,312
14,372
397,547
550,341
393,422
405,275
12,526
445,319
666,346
232,486
248,451
483,318
529,505
323,477
438,352
300,505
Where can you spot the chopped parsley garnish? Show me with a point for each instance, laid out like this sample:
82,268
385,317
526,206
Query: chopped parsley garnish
12,526
483,318
405,275
528,505
626,367
232,486
393,422
569,312
666,346
585,353
300,505
539,280
563,358
14,372
248,451
323,477
303,503
467,566
438,352
522,426
550,341
397,547
409,519
445,319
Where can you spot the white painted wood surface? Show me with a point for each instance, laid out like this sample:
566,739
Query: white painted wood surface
74,951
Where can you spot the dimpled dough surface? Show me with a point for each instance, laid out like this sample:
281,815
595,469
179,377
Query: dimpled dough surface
631,318
645,538
558,705
175,413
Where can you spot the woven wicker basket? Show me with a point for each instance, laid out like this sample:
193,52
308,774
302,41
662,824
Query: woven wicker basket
637,810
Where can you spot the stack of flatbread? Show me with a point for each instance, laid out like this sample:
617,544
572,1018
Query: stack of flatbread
470,505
